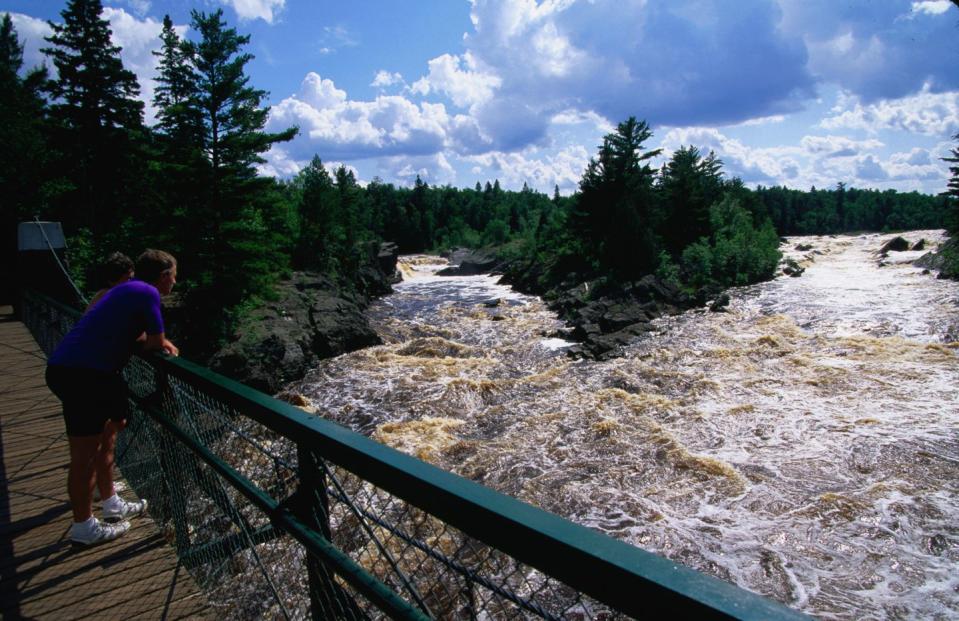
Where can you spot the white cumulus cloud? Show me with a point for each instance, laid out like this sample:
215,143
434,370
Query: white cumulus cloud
138,38
819,161
876,50
140,7
931,7
266,10
837,146
540,170
433,169
333,125
384,78
458,78
31,32
926,112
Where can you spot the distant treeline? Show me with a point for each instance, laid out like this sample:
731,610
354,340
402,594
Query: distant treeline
842,209
76,149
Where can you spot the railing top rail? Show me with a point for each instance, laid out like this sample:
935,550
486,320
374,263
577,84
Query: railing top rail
623,576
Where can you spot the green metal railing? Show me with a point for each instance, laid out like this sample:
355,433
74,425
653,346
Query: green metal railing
278,513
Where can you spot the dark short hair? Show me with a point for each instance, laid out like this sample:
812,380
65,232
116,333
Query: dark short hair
152,263
116,266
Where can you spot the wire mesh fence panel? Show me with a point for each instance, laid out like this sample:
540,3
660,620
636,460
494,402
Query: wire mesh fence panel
447,573
265,508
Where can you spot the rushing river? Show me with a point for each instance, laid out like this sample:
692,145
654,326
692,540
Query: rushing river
803,445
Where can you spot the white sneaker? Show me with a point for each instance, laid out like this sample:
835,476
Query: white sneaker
93,532
115,508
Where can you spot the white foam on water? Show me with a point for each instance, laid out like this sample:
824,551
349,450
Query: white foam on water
802,445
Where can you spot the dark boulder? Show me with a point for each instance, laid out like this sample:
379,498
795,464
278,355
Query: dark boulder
803,247
465,262
919,245
377,272
386,259
720,303
896,244
792,268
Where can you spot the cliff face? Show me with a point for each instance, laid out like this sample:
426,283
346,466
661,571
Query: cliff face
311,318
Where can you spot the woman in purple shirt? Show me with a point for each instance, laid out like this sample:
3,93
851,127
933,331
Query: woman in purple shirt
84,373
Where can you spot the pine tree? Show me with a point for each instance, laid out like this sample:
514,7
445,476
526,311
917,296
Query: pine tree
237,260
180,162
952,190
613,213
176,97
24,156
22,127
99,118
232,116
689,185
317,216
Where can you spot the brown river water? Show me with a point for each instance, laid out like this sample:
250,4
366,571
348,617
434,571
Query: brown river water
803,445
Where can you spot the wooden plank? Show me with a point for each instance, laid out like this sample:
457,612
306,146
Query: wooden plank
51,551
44,451
98,587
189,607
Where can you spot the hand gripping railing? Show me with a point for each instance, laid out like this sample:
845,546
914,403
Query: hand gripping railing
281,514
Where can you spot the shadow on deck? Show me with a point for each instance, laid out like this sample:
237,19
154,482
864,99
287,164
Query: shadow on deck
41,574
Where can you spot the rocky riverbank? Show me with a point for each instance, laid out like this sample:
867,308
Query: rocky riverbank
312,317
945,260
603,315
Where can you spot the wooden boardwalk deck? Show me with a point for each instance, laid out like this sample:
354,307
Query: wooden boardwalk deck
41,575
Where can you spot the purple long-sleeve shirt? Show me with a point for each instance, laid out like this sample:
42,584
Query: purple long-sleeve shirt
104,337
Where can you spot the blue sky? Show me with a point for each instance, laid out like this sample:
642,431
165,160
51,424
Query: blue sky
786,92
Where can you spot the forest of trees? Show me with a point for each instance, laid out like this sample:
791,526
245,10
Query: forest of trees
77,150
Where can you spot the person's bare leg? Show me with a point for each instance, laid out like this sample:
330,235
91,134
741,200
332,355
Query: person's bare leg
105,459
80,479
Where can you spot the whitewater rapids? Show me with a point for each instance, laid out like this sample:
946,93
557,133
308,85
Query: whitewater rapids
803,445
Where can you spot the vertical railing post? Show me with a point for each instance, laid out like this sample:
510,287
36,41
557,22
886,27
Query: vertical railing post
328,600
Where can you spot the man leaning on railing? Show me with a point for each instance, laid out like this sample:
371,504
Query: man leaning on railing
84,373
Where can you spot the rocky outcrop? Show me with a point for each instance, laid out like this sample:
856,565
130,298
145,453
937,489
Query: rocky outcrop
896,244
601,314
945,260
720,304
466,262
792,268
312,317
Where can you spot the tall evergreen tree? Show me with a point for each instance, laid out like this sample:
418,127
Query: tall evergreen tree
613,212
24,156
22,126
316,208
689,186
232,116
179,131
176,96
238,260
952,190
99,119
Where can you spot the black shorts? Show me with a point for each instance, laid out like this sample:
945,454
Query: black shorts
90,398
